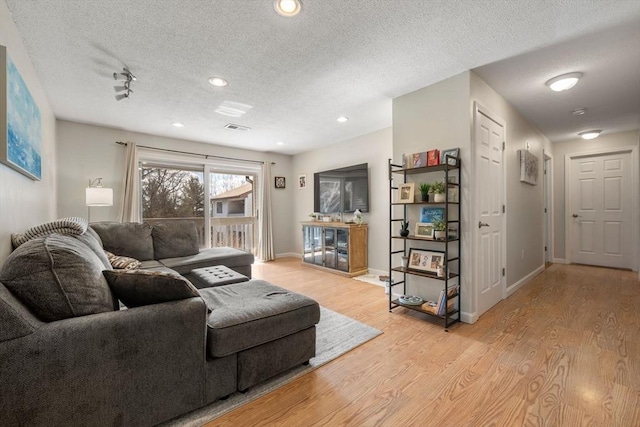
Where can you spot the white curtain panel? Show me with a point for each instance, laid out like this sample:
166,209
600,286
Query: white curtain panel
130,210
265,227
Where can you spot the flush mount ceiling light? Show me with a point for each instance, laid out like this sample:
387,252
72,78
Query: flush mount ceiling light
564,82
342,119
279,143
287,8
126,77
590,134
177,125
218,81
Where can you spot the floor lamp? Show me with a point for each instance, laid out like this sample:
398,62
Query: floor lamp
97,195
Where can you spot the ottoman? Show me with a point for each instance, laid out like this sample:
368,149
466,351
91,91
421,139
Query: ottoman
216,275
270,328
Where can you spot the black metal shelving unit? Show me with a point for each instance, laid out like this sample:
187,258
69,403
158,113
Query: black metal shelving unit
453,267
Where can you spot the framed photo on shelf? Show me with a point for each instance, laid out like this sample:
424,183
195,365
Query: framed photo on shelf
424,260
433,158
424,229
405,192
428,214
280,182
453,152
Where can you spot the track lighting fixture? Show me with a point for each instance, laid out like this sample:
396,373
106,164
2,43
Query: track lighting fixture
127,77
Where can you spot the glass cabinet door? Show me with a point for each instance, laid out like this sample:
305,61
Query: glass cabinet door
312,239
342,249
330,256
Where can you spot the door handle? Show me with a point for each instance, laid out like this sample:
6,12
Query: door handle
482,224
575,215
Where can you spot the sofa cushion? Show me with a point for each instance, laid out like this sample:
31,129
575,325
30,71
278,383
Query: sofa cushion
15,318
230,257
244,315
136,288
57,277
122,262
175,238
130,239
94,243
150,263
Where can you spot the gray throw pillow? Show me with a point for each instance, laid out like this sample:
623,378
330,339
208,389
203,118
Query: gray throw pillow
136,288
57,277
174,239
130,239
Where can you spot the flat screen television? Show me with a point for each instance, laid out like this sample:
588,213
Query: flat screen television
342,190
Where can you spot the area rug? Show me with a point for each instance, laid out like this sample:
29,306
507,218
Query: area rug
335,335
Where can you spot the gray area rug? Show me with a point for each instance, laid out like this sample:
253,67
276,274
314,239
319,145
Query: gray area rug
335,335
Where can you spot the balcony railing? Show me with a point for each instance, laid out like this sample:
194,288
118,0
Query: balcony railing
236,232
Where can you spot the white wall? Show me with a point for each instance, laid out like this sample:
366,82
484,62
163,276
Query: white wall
578,145
437,117
525,205
23,202
374,149
88,151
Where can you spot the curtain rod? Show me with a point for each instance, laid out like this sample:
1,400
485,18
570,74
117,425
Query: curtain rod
206,156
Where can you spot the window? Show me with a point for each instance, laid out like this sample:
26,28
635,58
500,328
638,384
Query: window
172,193
236,207
218,207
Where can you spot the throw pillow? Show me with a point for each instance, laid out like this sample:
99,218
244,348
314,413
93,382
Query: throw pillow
175,238
126,238
122,262
72,225
136,288
57,277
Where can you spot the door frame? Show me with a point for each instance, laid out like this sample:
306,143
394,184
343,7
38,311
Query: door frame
548,202
635,207
477,110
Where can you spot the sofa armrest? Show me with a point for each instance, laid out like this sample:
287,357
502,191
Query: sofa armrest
138,366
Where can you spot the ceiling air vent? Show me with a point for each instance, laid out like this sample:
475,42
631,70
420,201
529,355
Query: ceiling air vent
237,127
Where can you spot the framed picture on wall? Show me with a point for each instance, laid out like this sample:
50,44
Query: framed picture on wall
302,182
280,182
20,123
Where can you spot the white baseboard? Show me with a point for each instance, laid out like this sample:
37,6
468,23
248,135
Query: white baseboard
470,318
289,255
520,283
559,261
377,273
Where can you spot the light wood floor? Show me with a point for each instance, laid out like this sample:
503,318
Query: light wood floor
562,351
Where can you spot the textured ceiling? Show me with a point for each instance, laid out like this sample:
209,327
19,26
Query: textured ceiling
338,57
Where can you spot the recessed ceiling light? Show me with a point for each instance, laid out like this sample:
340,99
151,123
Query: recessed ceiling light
279,143
218,81
177,124
342,119
287,8
590,134
579,111
564,82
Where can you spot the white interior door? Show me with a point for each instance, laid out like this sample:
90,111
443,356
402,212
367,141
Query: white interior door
600,212
489,178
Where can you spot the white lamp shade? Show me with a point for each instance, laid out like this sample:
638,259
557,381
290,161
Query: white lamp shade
99,196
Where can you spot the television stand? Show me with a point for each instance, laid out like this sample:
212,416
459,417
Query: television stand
335,247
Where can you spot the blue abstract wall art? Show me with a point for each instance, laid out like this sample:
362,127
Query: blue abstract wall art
22,124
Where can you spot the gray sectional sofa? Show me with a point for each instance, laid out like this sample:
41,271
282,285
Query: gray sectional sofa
70,356
173,244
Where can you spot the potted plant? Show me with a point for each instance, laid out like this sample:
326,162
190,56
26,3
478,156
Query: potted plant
439,229
404,231
424,191
438,188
